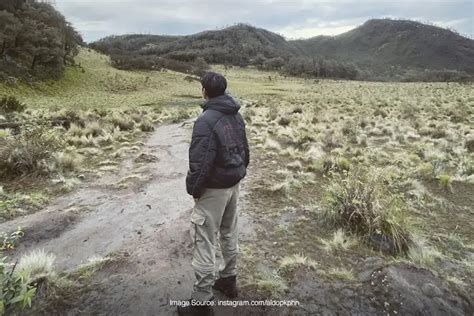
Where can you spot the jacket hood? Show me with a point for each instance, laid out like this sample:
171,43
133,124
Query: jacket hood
224,104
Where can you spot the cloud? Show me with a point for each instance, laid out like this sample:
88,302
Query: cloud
293,19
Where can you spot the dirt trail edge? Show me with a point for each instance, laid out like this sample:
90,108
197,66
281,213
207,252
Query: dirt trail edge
142,210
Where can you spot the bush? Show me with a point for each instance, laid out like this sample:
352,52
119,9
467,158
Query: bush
16,290
10,104
28,152
123,122
445,182
362,202
147,126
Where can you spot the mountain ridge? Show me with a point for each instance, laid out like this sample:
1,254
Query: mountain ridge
380,47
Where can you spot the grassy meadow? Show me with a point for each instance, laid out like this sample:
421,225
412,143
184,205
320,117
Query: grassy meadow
341,171
99,114
347,171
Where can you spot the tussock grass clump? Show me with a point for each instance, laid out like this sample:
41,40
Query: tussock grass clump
93,129
445,182
10,104
122,121
340,274
289,263
423,254
37,264
146,126
271,284
339,241
29,152
361,201
67,161
75,130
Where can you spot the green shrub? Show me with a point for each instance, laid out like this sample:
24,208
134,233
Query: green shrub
29,152
362,202
445,182
10,104
16,289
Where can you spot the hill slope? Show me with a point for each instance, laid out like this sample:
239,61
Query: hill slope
234,45
380,47
407,44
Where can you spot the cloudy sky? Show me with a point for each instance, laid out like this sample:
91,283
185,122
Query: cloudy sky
293,19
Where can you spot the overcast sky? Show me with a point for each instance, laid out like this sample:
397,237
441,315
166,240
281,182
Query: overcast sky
293,19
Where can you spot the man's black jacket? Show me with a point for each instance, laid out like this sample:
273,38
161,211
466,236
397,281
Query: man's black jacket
219,152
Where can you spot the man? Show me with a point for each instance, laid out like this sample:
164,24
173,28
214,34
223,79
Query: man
218,159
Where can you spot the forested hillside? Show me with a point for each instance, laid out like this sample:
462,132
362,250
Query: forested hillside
239,45
380,49
396,48
36,41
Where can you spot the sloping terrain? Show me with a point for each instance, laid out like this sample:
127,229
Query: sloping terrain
234,45
398,43
380,47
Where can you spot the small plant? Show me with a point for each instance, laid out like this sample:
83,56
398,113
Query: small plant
75,130
343,164
340,274
93,129
339,241
362,202
445,182
11,240
290,263
37,264
16,290
423,254
9,104
426,171
68,162
271,284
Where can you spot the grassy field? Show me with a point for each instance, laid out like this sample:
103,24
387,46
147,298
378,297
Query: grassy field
346,171
341,172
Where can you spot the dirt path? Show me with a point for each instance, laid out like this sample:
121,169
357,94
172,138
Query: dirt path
142,210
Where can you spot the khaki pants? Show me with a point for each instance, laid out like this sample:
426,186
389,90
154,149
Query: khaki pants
214,213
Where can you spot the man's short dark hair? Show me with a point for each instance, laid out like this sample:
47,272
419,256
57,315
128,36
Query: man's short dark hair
214,84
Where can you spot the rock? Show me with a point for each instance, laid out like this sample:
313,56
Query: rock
383,243
431,290
369,265
413,291
143,157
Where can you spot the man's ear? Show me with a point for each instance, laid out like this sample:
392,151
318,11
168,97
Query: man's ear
204,93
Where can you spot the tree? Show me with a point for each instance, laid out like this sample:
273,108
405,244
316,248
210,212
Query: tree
274,63
9,29
36,40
